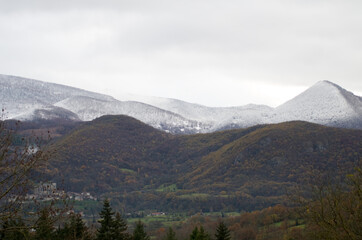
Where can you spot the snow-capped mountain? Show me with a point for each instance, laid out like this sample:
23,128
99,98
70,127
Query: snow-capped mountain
21,96
88,108
324,103
197,112
48,112
27,99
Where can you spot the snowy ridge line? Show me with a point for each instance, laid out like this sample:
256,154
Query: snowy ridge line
324,103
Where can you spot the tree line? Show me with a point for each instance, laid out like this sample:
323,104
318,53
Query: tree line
112,227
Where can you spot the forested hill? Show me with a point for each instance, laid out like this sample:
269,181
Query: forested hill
280,153
108,152
119,153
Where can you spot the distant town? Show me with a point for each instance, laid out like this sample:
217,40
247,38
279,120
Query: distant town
48,191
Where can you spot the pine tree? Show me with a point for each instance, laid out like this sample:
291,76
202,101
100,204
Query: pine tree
194,234
120,228
14,230
62,233
77,228
74,229
107,222
44,226
139,232
222,232
202,235
171,235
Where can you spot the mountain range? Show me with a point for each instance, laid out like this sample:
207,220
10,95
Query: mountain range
239,169
148,158
324,103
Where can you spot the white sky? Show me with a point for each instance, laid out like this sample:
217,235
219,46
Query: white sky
216,53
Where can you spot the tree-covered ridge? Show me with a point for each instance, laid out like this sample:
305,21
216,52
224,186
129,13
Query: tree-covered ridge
110,150
241,168
120,150
286,152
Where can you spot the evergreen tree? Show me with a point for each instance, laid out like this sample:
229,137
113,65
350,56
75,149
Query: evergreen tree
120,228
74,229
202,235
77,228
199,234
14,230
62,233
222,232
194,234
139,232
107,222
171,235
44,227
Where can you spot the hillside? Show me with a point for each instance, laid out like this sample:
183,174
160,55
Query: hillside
245,168
109,152
278,154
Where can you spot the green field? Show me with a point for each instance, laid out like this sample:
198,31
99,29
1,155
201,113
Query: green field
194,195
170,188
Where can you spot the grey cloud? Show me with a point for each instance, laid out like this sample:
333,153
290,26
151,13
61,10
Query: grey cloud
279,42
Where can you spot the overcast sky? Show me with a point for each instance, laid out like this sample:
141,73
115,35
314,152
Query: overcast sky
216,53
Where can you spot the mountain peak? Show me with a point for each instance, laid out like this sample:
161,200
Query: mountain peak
320,93
326,83
325,103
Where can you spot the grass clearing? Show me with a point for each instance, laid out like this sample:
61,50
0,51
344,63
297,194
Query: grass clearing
126,170
170,188
195,195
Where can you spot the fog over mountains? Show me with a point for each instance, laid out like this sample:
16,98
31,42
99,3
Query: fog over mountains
324,103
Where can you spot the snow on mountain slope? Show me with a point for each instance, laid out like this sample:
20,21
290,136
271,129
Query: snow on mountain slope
27,99
211,115
19,95
324,103
246,116
90,108
47,113
188,110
